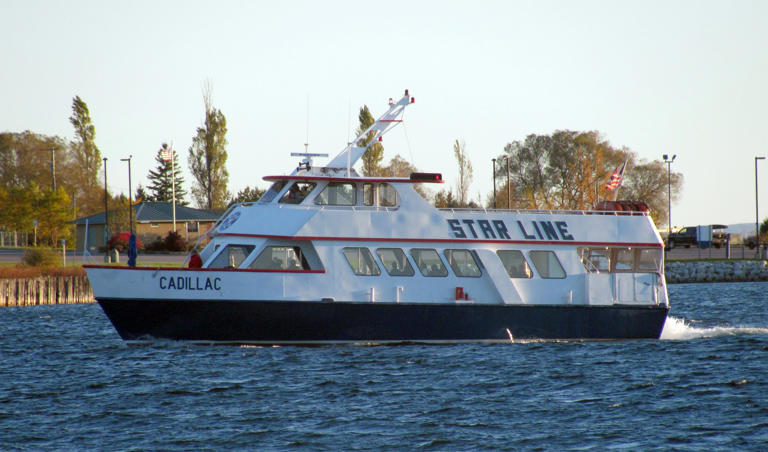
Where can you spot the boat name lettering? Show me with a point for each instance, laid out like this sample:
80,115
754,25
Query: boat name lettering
189,283
497,229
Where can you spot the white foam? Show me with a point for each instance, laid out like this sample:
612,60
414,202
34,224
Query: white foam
677,329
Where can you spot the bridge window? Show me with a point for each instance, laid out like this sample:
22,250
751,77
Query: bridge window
624,260
369,194
547,264
337,194
280,258
463,263
515,264
429,262
649,260
361,261
387,195
297,192
231,256
395,262
596,260
272,192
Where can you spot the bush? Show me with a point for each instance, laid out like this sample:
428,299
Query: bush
174,242
36,272
40,257
119,242
157,245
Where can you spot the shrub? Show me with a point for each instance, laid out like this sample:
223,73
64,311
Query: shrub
157,245
120,242
40,257
35,272
174,242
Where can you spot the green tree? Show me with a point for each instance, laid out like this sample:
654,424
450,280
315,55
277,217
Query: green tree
465,171
375,154
208,158
161,179
86,159
141,194
248,194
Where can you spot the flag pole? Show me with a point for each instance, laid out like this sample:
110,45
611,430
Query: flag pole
173,183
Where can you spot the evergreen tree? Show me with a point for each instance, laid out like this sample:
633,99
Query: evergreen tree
248,194
141,195
87,159
375,154
208,158
161,182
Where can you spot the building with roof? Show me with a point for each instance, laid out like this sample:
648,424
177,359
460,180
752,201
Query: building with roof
153,221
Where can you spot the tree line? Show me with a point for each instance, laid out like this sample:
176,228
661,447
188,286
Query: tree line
49,180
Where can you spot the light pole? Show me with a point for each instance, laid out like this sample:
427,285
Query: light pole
509,187
757,217
130,200
494,182
669,190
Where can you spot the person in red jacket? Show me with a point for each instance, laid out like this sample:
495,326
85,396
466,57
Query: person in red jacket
195,261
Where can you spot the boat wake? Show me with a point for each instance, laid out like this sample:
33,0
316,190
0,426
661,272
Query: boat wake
676,329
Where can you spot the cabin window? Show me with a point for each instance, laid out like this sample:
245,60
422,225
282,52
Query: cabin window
280,258
361,261
547,264
596,260
337,194
231,256
463,263
515,264
387,195
272,192
429,262
648,260
395,262
625,260
297,192
369,193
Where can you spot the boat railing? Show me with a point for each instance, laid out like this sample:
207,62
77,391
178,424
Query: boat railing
543,211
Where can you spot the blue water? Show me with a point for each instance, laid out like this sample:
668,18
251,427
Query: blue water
67,382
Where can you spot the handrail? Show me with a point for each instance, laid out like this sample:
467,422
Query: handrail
545,211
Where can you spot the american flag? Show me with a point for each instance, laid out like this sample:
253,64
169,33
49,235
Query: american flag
166,154
616,177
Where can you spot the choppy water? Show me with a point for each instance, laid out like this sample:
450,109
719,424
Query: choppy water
67,382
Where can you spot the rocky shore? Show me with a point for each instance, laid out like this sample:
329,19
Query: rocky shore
717,271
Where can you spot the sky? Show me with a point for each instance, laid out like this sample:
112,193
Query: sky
687,78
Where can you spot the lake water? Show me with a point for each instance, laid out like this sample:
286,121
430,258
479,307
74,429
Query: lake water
67,382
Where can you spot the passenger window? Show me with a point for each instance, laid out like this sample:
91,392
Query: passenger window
395,262
280,258
429,262
596,260
463,263
387,195
337,194
231,256
547,264
272,192
368,194
361,261
625,260
515,264
649,260
297,192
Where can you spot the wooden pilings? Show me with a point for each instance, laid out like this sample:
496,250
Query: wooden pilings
45,290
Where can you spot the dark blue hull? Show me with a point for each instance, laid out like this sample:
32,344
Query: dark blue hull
282,322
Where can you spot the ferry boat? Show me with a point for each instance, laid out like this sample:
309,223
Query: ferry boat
328,256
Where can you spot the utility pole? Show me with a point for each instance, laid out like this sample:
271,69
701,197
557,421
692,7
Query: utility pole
106,215
494,182
130,199
53,168
509,187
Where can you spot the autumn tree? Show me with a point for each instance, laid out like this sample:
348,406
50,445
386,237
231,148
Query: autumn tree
569,170
86,159
161,179
375,154
208,158
465,171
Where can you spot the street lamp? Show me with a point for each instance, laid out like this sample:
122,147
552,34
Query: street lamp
757,217
106,215
669,161
130,200
494,182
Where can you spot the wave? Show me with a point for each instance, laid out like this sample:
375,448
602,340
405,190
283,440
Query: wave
676,329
